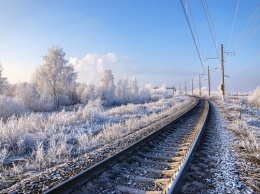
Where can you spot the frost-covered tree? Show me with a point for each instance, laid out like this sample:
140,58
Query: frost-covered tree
88,94
79,90
133,85
254,98
107,86
3,81
70,84
144,93
121,89
55,78
10,106
27,93
160,93
133,89
126,90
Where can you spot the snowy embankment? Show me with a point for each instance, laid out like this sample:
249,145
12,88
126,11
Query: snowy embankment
37,141
244,121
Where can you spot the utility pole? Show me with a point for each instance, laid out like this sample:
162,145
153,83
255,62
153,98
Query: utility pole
222,86
199,85
209,80
192,87
185,89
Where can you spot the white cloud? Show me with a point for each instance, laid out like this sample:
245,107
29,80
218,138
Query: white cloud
90,66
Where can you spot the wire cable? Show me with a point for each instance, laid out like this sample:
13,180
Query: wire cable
238,70
187,3
238,42
195,29
187,19
247,34
213,30
210,24
248,38
233,24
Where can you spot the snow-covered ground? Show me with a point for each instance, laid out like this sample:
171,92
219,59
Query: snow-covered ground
37,141
243,121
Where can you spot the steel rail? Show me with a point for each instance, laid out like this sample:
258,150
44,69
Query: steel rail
175,186
88,174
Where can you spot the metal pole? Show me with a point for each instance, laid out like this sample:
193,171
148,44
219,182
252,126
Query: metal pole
209,80
222,86
199,85
192,87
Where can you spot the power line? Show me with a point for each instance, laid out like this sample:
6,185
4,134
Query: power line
245,61
214,33
245,37
236,72
242,36
195,29
187,19
210,24
187,2
248,38
233,23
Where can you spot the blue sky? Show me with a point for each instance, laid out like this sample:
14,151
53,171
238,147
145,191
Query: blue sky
146,38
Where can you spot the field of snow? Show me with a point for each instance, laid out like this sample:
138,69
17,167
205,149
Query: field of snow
40,140
243,118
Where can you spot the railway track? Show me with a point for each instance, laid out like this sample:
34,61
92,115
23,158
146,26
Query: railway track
155,164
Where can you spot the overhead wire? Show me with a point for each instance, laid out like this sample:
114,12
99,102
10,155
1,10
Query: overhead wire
243,66
249,21
245,31
246,34
187,2
187,19
236,72
246,38
233,24
210,24
195,29
188,7
213,29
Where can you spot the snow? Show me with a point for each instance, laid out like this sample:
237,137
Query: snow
244,142
42,140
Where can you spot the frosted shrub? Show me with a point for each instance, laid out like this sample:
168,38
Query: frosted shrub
122,110
3,156
92,111
47,139
64,100
160,93
248,146
10,136
39,155
254,98
25,144
11,107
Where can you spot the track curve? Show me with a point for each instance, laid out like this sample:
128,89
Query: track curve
155,164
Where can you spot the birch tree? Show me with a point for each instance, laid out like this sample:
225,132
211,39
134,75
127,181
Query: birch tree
27,93
107,86
3,81
54,76
133,89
